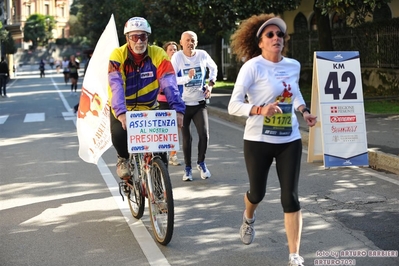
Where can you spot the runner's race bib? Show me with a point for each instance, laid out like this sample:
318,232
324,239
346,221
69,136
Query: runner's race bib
280,124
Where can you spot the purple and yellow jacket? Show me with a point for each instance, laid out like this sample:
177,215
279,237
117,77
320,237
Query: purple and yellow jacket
136,87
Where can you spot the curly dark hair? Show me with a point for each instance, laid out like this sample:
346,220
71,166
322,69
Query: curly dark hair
244,43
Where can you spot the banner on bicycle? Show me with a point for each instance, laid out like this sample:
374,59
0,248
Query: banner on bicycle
152,131
93,121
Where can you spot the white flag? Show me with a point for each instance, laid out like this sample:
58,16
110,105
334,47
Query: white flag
93,120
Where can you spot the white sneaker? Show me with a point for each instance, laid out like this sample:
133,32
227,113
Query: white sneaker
296,260
247,230
173,160
205,174
188,176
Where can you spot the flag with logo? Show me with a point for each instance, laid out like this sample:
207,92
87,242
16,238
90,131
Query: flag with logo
93,122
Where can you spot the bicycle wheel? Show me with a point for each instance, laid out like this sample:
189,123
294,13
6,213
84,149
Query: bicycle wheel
160,202
135,195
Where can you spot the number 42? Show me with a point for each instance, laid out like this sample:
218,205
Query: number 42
333,88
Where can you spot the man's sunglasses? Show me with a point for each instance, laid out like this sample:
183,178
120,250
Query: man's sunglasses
279,34
135,37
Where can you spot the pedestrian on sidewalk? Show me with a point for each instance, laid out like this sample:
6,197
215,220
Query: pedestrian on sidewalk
170,48
73,67
58,65
65,69
191,66
51,62
270,80
89,55
4,76
42,65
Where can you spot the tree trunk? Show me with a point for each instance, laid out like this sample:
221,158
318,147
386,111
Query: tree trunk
323,30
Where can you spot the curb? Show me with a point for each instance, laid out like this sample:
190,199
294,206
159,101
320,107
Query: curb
377,160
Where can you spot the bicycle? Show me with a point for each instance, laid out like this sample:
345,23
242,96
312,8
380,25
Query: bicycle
150,179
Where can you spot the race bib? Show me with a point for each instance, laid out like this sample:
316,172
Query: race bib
280,124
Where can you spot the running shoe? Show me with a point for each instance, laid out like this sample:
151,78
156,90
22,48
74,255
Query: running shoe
205,174
174,161
122,168
296,260
247,230
188,176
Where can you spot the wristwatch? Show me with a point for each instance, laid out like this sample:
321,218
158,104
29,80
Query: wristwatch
211,83
305,110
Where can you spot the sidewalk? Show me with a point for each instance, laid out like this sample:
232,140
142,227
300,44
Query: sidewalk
382,133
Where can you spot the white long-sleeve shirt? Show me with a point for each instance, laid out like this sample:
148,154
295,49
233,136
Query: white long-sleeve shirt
266,82
192,89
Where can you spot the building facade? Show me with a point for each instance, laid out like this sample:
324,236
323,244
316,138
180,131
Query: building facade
16,12
303,16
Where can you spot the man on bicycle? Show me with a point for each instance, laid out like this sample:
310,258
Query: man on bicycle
137,72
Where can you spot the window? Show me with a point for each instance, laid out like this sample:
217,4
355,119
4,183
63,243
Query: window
382,13
46,9
300,23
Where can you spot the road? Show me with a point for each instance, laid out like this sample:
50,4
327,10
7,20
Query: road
56,209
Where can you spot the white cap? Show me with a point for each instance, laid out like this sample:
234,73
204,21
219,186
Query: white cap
273,21
137,24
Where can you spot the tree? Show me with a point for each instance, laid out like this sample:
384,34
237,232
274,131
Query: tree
3,33
355,11
49,26
75,26
93,16
3,38
38,29
75,8
211,20
9,44
323,29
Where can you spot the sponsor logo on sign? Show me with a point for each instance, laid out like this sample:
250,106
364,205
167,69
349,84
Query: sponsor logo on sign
139,148
165,114
137,115
345,138
343,119
166,146
347,129
342,109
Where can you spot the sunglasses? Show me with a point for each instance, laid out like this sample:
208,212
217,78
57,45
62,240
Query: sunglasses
135,37
279,34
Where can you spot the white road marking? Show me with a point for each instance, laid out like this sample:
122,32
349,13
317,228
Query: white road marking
69,116
150,249
34,117
3,119
147,244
